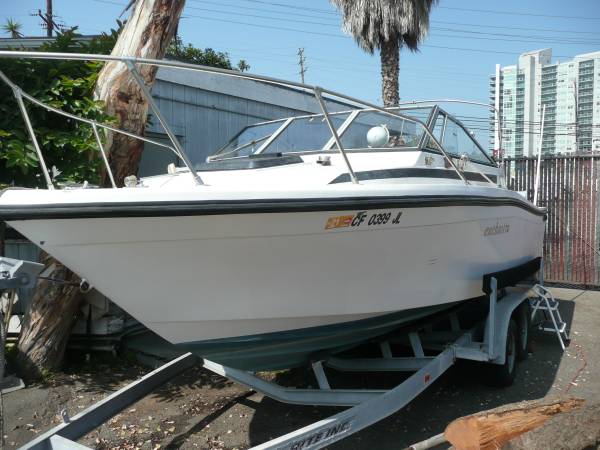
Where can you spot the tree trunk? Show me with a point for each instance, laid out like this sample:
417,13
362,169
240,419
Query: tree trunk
147,34
390,71
2,238
48,323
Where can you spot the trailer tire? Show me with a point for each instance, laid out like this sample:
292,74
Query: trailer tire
504,375
523,317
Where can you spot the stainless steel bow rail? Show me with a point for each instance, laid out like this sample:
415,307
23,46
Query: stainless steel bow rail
131,65
501,344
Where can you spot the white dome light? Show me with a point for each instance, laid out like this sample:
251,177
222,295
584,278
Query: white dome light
378,137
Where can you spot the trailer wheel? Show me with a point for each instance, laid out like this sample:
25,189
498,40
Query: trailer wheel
504,375
523,316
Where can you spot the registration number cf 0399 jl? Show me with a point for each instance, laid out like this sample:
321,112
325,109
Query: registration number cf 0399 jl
364,219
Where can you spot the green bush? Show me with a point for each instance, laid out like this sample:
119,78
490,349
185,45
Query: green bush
207,57
66,144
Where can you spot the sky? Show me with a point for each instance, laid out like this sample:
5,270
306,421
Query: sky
467,39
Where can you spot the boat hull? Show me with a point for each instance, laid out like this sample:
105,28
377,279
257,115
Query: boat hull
286,349
206,282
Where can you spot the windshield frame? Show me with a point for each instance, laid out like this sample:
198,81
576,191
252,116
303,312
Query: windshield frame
439,111
278,132
330,145
218,155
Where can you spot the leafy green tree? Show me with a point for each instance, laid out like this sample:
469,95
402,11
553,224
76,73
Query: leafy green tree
207,57
243,66
67,145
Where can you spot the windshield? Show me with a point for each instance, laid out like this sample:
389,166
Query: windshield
247,141
306,133
421,113
367,129
374,129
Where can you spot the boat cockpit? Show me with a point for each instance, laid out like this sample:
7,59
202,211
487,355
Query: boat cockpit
394,140
420,142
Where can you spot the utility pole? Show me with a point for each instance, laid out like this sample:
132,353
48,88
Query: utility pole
576,117
301,62
47,18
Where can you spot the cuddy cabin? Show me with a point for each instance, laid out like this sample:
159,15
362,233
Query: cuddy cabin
382,146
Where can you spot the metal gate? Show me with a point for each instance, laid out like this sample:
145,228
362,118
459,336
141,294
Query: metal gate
569,190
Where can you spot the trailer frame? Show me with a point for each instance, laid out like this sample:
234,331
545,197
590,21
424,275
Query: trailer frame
366,406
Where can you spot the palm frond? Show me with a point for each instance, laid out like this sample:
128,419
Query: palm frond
372,22
13,28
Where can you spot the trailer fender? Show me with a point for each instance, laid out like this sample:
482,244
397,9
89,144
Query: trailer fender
505,308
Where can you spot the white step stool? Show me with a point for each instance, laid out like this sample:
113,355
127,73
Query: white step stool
553,321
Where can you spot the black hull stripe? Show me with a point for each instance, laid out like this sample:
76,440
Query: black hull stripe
203,208
412,172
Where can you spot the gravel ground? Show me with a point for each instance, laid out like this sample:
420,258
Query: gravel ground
201,410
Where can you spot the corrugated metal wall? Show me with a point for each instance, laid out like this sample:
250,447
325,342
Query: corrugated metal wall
204,121
569,191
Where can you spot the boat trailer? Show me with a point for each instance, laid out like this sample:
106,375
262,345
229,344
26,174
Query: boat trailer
434,352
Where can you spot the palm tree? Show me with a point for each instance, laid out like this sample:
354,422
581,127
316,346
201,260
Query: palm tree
13,28
387,25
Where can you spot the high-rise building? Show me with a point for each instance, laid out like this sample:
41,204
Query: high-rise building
570,90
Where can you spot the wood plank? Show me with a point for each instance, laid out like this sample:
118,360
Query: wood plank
575,430
490,430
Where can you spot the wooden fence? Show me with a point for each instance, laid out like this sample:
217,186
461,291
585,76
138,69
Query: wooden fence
569,190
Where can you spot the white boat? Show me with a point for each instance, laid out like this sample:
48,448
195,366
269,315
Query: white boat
291,239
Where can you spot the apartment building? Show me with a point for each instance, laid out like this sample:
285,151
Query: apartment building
570,91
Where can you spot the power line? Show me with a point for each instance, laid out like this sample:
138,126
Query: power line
301,8
487,11
510,28
311,22
336,13
529,37
336,19
109,2
254,8
528,40
515,13
504,37
350,67
317,33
